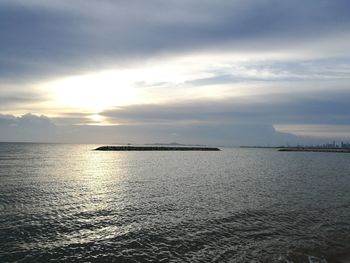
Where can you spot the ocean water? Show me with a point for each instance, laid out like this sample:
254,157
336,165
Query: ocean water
67,203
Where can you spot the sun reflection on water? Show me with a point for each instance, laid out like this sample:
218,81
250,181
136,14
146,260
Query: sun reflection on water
98,176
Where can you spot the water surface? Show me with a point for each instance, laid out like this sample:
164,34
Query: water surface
68,203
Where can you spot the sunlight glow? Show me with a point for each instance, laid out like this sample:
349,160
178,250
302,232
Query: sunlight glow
195,76
96,118
94,92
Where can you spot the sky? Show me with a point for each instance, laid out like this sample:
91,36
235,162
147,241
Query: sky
225,72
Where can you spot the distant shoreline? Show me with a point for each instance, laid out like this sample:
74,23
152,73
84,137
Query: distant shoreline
301,149
155,148
310,149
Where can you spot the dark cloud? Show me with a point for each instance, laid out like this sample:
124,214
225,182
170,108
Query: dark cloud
326,107
13,100
32,128
27,128
65,36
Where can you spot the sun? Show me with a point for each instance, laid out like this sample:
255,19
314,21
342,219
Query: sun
96,118
94,92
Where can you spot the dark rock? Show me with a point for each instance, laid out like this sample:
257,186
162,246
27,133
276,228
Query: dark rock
155,148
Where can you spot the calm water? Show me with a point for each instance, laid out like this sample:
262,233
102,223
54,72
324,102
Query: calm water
70,204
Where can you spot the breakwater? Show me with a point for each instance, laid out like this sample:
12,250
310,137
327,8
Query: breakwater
302,149
155,148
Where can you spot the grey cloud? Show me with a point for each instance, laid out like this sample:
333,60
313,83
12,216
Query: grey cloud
71,36
234,121
323,107
27,128
293,70
7,119
6,101
31,128
73,118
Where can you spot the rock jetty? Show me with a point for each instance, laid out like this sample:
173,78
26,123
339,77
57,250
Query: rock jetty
155,148
310,149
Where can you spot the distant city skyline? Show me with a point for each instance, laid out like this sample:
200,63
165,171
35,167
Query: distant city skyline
200,72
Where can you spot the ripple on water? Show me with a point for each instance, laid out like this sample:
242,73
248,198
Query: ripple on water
67,203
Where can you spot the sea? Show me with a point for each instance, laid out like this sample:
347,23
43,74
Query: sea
69,203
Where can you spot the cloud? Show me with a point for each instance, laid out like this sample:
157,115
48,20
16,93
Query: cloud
247,65
17,98
322,107
27,128
255,120
32,128
41,39
330,132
